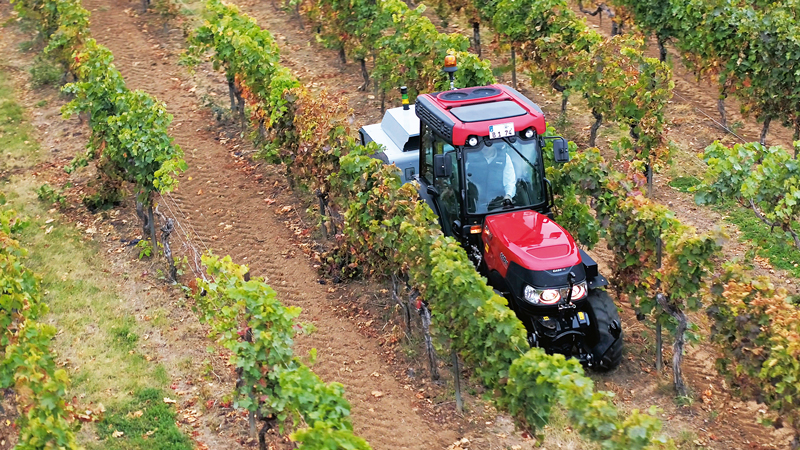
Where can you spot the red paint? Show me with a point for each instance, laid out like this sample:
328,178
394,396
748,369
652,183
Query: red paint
462,130
529,239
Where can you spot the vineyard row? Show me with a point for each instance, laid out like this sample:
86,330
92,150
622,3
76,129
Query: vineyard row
751,49
661,265
395,233
46,419
130,143
618,82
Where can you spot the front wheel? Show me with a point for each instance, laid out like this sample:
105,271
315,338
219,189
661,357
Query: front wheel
607,350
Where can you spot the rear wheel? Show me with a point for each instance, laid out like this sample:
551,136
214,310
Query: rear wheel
606,352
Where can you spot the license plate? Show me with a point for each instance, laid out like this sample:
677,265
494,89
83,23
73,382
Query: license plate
501,130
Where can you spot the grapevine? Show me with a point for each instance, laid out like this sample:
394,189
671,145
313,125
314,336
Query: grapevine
247,318
46,419
756,329
396,233
407,48
618,81
764,179
749,48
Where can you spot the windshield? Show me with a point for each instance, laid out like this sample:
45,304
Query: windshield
503,175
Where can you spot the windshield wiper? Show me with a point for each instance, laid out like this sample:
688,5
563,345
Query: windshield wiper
519,153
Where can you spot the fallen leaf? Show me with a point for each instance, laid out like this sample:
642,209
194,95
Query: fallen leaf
117,434
377,394
168,400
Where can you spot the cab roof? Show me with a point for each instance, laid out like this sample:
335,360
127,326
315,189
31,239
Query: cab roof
455,115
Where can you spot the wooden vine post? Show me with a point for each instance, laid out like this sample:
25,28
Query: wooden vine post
659,337
167,227
457,382
476,37
425,314
397,296
680,340
323,222
151,222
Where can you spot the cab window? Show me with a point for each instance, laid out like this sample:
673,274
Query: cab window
449,189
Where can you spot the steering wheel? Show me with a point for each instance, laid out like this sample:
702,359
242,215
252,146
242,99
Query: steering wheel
500,202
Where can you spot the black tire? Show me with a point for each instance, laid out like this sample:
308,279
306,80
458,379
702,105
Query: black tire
605,312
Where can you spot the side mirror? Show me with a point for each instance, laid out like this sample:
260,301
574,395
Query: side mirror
443,165
561,150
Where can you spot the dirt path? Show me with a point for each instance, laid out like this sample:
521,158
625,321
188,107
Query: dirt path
173,338
230,206
229,213
718,419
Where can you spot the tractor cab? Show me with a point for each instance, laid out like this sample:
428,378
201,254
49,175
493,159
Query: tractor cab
481,154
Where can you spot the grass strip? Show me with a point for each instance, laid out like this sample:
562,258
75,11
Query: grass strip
98,338
761,241
18,149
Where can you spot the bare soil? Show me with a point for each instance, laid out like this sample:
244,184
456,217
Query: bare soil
246,209
715,418
176,341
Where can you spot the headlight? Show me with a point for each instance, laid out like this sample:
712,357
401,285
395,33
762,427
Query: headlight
528,133
553,296
542,296
472,141
579,290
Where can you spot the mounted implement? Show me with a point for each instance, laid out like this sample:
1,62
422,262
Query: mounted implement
477,156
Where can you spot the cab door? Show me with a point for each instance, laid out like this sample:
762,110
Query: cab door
445,197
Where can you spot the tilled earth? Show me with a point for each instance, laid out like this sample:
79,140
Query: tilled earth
234,206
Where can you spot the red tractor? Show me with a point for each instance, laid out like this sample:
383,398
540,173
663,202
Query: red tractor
481,169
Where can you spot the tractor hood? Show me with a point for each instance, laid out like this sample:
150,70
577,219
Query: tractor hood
529,239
